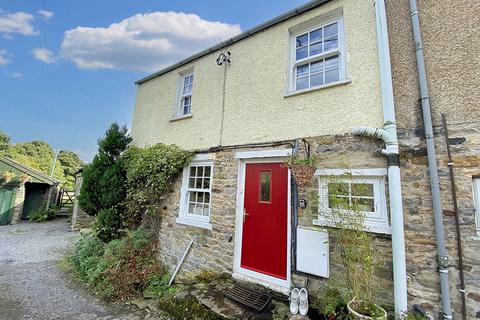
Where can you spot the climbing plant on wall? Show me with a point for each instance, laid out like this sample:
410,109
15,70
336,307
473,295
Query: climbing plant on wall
150,172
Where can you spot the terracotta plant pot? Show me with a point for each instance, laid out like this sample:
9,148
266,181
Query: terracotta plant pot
361,316
302,174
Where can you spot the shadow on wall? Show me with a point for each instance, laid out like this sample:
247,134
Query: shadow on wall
36,195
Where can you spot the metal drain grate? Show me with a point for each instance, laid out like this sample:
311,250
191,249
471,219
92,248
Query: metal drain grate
249,298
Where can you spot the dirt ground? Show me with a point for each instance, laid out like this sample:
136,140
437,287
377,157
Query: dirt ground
32,287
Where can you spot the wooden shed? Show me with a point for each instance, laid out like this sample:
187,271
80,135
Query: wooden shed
23,190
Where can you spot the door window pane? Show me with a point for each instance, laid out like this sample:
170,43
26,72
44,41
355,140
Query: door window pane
265,185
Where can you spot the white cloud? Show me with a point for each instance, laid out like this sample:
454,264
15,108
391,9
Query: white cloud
45,14
4,57
144,42
19,22
44,55
16,75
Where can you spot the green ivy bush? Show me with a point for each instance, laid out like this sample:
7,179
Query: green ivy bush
124,182
150,171
121,269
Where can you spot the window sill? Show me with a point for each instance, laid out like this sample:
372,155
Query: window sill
194,223
181,118
370,227
323,86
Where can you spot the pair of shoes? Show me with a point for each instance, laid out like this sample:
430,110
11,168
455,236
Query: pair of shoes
299,301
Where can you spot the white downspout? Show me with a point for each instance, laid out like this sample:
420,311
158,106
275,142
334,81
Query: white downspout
389,135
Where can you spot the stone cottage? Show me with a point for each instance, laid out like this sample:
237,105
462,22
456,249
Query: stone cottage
323,78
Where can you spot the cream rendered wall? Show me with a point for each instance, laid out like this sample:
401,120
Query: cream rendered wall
256,109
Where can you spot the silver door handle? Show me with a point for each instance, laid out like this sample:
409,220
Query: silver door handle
245,214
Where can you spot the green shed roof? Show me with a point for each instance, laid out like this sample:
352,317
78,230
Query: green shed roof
7,164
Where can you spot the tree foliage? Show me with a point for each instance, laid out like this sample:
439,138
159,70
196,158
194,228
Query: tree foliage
38,155
123,183
71,164
5,144
103,184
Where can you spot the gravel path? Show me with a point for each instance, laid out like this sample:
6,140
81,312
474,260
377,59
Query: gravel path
31,287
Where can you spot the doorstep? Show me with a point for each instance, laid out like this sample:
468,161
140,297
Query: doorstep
212,296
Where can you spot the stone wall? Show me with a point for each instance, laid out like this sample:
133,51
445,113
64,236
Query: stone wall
214,249
18,206
453,90
80,219
423,278
346,152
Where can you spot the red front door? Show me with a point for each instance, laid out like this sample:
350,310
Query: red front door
264,238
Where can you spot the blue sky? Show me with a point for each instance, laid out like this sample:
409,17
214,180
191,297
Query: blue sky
67,68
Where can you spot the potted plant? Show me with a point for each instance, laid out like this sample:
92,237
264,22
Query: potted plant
302,168
345,213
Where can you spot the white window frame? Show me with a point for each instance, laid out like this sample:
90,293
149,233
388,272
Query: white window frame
183,216
307,27
476,201
178,112
377,177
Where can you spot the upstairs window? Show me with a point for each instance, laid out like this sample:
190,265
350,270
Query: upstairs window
318,55
185,96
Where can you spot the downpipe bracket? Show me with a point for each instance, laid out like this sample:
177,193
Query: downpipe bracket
442,264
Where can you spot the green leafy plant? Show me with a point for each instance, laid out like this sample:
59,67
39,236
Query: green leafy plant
333,303
414,316
71,164
149,173
347,217
123,183
121,269
209,276
187,309
43,215
108,225
157,286
298,160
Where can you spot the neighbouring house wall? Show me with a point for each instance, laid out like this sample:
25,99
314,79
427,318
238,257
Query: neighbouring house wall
18,204
450,42
423,277
80,219
256,109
